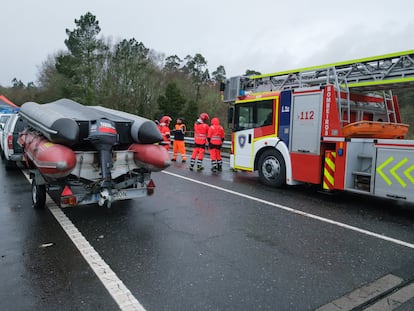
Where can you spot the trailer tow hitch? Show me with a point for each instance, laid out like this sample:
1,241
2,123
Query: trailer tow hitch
105,196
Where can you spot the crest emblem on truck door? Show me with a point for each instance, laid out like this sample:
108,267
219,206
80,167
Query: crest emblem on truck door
242,140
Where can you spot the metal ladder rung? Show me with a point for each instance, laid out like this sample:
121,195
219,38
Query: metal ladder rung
389,98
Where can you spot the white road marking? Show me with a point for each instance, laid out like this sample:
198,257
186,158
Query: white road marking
394,300
363,294
116,288
292,210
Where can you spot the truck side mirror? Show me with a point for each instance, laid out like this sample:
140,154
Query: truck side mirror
222,86
230,113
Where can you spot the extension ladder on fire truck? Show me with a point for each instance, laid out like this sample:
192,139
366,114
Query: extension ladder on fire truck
378,73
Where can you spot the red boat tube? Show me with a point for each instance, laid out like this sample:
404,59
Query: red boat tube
52,160
153,157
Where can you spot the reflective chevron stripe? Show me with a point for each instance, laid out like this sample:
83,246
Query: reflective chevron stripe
329,170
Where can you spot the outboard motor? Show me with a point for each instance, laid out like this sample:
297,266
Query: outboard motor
103,136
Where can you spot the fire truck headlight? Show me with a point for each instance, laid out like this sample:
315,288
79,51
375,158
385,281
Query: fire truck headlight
340,152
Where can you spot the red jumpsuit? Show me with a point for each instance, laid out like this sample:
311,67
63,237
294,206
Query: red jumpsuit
200,141
165,132
215,138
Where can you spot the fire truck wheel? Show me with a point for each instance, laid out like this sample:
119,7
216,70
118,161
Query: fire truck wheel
272,168
38,195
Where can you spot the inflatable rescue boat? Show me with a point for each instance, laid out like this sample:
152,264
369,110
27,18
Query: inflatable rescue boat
92,154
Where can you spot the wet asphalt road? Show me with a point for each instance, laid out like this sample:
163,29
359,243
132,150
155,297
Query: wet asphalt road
194,247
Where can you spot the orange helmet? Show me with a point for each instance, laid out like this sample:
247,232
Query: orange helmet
165,119
204,116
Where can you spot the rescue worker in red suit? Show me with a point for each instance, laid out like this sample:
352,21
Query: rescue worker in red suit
200,141
215,139
164,128
178,143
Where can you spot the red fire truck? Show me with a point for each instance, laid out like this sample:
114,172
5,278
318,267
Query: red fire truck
336,125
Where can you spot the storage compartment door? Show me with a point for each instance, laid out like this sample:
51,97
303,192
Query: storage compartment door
306,123
394,173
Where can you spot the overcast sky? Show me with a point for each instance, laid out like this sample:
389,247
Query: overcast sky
262,35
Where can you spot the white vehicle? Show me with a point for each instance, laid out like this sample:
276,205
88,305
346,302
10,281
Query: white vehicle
11,151
3,120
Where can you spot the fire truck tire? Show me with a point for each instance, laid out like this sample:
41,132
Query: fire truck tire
272,169
38,195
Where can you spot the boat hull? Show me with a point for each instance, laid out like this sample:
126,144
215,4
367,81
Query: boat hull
52,160
153,157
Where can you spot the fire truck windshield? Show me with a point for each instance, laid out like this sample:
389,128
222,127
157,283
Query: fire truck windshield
253,114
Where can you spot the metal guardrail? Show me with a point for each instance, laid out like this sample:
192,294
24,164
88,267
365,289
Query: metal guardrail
225,148
190,141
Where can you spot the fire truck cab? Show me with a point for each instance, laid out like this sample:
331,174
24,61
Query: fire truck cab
317,126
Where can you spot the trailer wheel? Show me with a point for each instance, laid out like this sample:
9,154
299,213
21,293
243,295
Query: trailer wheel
38,195
272,169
